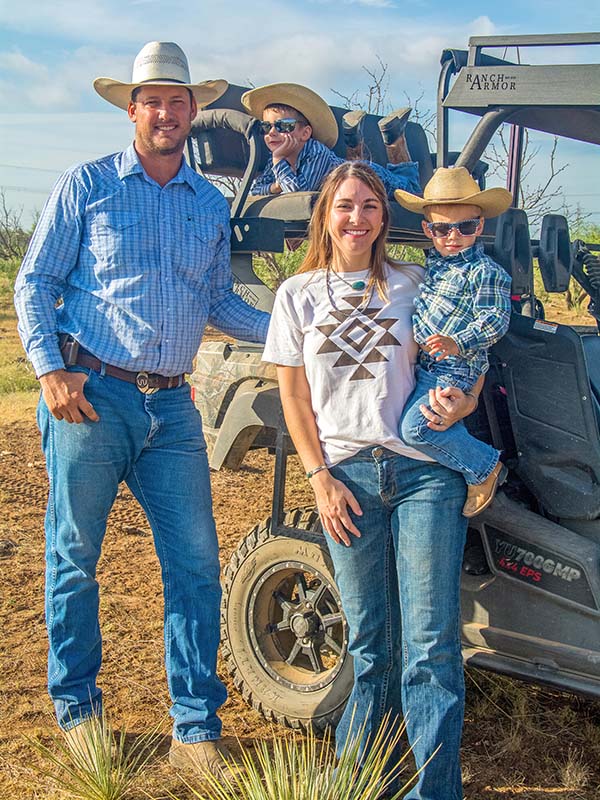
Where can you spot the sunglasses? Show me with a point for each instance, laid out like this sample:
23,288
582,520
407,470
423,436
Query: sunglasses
281,125
466,227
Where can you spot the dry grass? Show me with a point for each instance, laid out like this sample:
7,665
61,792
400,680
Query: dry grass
536,739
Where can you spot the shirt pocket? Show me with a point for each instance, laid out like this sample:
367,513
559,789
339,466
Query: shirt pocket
115,237
453,285
197,244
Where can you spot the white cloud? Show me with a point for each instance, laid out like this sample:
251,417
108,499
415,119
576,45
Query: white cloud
482,26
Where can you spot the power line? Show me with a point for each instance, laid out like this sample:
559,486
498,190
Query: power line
26,189
33,169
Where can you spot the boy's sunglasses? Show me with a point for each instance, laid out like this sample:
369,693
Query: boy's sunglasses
466,227
281,125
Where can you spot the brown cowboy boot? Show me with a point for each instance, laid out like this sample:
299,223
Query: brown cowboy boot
202,757
352,123
480,495
392,130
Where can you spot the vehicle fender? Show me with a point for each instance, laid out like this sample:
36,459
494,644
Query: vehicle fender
254,406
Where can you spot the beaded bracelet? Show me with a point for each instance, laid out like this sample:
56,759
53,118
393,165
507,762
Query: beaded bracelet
315,470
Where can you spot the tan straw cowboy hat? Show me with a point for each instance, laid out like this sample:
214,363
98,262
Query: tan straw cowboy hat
451,186
308,103
159,64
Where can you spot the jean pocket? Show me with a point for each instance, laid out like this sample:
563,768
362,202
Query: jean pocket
87,371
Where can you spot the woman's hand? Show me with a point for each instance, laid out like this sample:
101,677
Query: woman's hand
447,406
333,500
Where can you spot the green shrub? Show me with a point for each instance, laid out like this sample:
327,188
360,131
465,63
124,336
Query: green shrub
8,272
307,769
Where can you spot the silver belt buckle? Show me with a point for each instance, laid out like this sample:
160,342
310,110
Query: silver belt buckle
143,384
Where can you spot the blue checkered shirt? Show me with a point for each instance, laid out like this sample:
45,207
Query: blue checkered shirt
467,297
132,270
316,161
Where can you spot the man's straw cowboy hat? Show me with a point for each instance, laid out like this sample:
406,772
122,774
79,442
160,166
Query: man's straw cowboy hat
451,186
308,103
159,64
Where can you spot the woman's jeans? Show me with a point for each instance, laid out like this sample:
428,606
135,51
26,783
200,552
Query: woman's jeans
155,444
400,589
454,448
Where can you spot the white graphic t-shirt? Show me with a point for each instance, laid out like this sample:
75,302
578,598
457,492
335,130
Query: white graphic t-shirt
359,354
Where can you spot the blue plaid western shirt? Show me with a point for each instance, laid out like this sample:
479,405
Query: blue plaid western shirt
316,161
132,270
467,297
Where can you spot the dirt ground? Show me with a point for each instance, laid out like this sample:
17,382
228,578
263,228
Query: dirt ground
519,741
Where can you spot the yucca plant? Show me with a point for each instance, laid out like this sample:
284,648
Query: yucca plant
307,769
100,767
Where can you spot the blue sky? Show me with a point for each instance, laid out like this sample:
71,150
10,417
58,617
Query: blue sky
50,116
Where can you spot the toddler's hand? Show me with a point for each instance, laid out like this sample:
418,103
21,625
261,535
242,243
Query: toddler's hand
441,347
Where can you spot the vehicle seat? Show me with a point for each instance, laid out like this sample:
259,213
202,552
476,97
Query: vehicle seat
225,142
552,378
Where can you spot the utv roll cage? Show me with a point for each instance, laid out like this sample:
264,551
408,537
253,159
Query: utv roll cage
541,401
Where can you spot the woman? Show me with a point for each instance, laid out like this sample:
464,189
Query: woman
341,337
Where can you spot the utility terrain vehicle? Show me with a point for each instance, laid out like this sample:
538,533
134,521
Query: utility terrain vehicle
531,571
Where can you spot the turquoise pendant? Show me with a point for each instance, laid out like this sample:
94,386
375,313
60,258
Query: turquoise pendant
359,285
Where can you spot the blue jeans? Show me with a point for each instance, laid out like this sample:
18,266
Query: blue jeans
155,444
398,176
400,590
454,448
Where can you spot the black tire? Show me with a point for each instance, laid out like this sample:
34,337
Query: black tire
284,634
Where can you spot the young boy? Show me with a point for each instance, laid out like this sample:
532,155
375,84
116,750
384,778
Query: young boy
463,309
299,130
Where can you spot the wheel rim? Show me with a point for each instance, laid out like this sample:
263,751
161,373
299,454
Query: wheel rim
297,626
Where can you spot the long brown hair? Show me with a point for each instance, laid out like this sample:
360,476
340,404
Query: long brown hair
320,245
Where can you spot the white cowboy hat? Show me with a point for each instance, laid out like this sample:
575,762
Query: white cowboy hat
451,186
308,103
159,64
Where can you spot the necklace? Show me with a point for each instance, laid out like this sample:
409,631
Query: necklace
356,285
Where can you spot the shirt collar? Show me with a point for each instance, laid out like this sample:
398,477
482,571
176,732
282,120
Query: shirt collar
130,164
470,254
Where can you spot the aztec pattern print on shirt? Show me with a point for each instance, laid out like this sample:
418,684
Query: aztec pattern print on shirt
357,335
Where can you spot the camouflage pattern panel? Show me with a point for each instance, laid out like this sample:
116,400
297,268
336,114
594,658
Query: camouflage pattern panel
220,369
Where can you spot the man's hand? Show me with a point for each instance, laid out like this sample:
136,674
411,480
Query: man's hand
440,347
447,406
63,394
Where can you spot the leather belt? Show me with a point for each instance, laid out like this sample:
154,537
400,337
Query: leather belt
146,382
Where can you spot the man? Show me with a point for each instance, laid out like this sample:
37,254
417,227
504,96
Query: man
129,260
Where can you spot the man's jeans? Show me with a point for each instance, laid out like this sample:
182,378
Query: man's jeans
454,448
155,444
400,589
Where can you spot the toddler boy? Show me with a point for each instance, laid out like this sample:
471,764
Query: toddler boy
299,130
463,309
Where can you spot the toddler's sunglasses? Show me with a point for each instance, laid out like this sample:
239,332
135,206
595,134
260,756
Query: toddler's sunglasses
281,125
466,227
